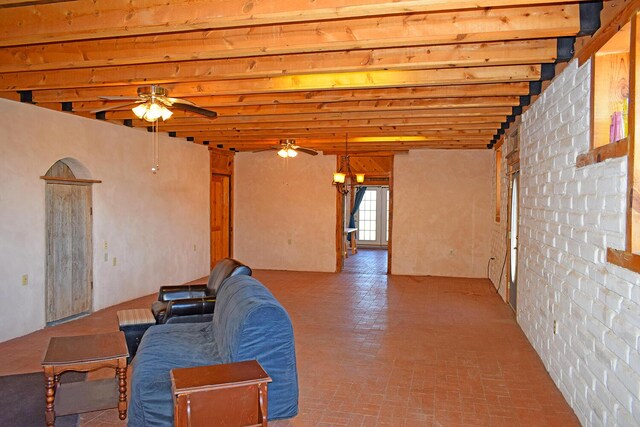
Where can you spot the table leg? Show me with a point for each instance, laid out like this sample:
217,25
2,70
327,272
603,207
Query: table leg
50,395
122,403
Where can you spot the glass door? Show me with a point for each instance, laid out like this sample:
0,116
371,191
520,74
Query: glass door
513,242
372,219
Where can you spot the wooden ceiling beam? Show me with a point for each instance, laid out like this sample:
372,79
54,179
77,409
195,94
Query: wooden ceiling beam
308,122
493,25
351,80
389,115
85,20
409,125
339,146
204,97
416,58
348,106
327,133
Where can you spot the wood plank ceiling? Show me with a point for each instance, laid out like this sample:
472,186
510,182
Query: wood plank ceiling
394,75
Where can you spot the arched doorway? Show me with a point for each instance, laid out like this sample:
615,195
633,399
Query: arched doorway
69,255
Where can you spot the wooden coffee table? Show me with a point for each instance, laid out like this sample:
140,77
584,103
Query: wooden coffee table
85,353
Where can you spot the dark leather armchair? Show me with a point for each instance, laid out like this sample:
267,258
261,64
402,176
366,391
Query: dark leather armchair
195,303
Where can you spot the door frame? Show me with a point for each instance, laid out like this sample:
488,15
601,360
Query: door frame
340,214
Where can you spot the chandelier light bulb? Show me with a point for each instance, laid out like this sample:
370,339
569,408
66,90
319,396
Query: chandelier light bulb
360,178
339,177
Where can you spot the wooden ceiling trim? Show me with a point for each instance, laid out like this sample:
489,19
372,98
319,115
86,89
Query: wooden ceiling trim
414,30
414,58
206,91
85,20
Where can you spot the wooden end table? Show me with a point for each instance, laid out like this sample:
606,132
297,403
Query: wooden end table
227,395
85,353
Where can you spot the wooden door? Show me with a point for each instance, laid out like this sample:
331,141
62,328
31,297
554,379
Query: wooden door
69,251
220,217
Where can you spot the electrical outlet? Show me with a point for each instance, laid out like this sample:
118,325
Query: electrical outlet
194,248
106,257
115,261
105,245
25,279
555,327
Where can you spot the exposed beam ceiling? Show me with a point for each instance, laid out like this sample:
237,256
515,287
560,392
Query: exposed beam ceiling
399,75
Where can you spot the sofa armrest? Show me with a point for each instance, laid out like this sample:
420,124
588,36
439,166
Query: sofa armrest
170,293
197,309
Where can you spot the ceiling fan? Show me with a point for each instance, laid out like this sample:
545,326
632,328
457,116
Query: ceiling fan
155,103
288,148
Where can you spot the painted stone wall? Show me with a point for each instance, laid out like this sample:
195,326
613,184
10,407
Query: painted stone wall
156,226
442,213
568,218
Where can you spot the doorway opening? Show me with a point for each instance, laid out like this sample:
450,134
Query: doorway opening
69,247
371,220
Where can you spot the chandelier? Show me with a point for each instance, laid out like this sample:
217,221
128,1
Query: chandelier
345,176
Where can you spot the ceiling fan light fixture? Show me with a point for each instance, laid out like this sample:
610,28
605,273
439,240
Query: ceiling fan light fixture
140,110
152,111
291,152
283,153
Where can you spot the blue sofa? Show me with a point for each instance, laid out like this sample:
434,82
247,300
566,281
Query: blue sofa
248,323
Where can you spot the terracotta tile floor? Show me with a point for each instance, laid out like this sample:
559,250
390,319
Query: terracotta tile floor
382,351
371,261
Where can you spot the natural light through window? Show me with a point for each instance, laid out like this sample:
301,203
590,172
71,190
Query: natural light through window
367,224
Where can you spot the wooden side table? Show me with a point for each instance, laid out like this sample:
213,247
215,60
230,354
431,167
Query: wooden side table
85,353
233,394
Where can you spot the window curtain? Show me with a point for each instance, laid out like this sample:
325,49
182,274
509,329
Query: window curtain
356,205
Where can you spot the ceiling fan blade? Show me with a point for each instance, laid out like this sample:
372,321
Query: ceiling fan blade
119,98
194,109
114,107
179,101
266,149
306,150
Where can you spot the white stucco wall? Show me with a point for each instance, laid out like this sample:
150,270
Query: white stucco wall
285,212
151,222
443,213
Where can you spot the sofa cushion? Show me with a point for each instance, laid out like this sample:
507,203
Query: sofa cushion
164,347
249,323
